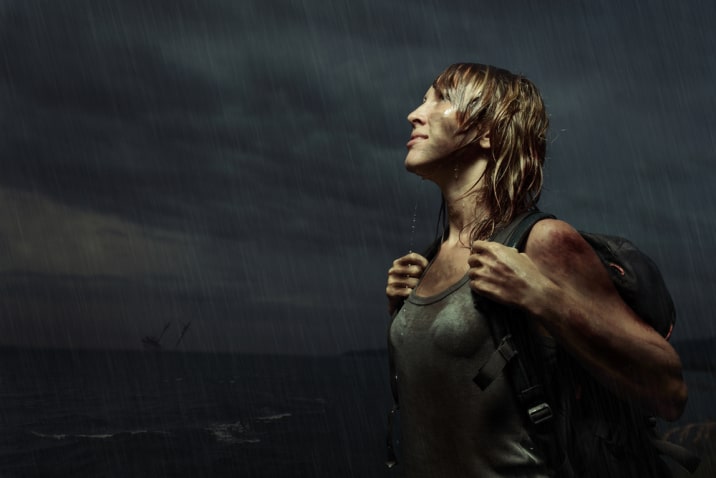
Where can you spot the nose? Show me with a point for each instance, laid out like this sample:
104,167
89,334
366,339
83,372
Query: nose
416,117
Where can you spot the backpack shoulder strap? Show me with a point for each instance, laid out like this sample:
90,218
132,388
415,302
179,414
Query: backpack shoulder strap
514,235
521,356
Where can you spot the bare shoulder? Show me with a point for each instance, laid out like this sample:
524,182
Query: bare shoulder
552,236
559,249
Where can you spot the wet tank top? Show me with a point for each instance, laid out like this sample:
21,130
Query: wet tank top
449,427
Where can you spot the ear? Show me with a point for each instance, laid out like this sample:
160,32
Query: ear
485,142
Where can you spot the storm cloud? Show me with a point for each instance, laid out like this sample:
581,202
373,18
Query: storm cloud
239,165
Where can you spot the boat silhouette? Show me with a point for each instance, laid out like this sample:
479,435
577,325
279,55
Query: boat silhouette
153,342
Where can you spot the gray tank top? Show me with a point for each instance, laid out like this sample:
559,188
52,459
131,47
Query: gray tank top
449,427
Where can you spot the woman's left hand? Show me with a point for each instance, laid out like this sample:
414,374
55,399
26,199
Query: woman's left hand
503,274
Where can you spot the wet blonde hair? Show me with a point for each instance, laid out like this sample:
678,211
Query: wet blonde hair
507,107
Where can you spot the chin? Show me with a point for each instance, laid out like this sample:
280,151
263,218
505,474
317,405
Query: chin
417,170
412,167
413,162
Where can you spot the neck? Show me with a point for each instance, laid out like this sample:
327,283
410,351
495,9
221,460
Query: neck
461,200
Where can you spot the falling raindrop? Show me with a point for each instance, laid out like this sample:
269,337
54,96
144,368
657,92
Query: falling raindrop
412,225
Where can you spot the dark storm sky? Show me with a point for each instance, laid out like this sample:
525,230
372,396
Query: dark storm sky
239,164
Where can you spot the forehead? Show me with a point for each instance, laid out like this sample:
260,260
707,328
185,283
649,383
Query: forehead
430,91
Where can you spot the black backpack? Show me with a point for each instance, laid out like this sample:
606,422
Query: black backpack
583,429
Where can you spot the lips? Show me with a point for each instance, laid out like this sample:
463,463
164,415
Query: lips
416,138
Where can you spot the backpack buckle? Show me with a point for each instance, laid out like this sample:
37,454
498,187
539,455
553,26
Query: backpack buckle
540,414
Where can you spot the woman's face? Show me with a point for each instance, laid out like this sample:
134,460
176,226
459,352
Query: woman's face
435,133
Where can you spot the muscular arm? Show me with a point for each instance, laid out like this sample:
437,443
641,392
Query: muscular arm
561,282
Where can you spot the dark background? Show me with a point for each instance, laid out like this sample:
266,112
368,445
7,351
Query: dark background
239,164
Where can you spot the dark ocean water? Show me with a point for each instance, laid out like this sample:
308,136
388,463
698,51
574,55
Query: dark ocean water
147,414
136,414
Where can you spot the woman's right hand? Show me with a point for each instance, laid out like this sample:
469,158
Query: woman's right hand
403,276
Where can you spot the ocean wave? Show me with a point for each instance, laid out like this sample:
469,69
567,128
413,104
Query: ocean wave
231,433
697,433
275,416
319,400
95,436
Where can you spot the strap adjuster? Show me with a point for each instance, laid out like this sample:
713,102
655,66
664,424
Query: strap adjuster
540,414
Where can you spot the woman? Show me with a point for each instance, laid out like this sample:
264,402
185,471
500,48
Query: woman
480,136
